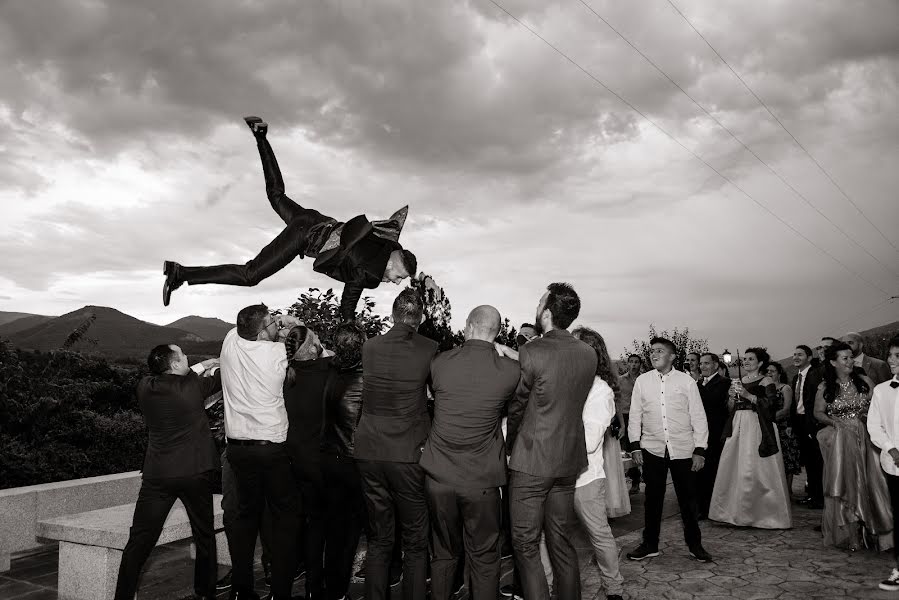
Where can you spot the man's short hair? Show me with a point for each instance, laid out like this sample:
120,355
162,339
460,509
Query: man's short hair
563,304
348,341
525,325
407,308
160,359
665,342
806,349
251,320
894,342
832,339
714,356
696,354
637,356
410,263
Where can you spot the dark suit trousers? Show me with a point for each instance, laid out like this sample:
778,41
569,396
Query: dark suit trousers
305,233
345,518
464,520
810,452
229,510
655,474
391,489
264,477
154,501
306,466
705,478
544,504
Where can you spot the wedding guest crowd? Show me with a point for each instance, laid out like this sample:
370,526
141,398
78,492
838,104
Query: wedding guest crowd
325,444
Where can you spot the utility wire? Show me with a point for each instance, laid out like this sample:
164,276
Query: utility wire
864,313
734,136
784,127
681,144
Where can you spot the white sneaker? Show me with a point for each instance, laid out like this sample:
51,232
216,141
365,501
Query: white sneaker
891,584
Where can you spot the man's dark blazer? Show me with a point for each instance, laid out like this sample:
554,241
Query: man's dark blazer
876,369
395,421
181,443
809,390
545,426
714,401
359,261
472,386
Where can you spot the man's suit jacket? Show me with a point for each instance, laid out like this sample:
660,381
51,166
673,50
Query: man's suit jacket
876,369
545,428
714,400
359,261
813,379
472,386
395,421
180,443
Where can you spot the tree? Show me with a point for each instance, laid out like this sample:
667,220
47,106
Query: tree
681,339
320,311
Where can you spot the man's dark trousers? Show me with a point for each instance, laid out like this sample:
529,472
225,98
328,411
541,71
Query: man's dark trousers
264,476
810,452
655,474
387,485
477,512
544,504
154,501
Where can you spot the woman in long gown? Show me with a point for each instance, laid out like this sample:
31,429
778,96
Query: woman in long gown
751,486
789,445
856,499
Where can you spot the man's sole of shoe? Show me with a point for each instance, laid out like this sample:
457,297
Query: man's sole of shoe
889,587
702,560
645,556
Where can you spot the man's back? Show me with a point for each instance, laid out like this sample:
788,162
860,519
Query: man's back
394,399
180,443
472,386
546,431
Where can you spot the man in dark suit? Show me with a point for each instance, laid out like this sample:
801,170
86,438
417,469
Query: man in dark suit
805,386
548,449
392,430
359,253
465,457
874,368
713,389
180,464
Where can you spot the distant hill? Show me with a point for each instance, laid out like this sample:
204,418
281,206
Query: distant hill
112,334
12,322
875,339
209,329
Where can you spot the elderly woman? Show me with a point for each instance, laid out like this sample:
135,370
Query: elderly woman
856,499
751,485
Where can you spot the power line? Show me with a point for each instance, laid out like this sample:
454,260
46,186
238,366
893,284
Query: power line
784,127
679,143
734,136
864,313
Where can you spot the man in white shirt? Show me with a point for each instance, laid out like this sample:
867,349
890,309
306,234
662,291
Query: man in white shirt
668,430
253,368
883,427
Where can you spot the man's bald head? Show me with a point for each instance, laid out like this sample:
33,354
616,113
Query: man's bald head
855,342
483,323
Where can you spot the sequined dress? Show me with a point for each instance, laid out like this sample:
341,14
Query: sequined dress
855,489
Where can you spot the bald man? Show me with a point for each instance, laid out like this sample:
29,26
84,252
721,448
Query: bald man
464,457
874,368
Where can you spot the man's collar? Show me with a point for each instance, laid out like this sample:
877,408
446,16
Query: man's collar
806,369
858,360
402,327
710,377
557,333
483,343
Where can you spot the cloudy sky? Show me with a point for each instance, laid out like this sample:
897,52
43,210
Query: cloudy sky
122,144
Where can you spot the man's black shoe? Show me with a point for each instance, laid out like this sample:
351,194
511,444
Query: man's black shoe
805,501
643,551
396,577
301,570
816,528
256,125
700,554
172,272
224,583
509,591
614,597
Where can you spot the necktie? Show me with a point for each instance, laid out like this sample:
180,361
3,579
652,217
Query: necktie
798,391
894,384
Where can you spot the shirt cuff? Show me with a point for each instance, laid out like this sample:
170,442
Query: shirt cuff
699,452
635,446
198,368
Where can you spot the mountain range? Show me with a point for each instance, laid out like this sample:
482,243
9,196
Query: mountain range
112,333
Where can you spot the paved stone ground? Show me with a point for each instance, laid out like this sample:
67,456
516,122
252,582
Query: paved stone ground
750,564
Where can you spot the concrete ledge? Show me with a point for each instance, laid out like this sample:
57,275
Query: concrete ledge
22,507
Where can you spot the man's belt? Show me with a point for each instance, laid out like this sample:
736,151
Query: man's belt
233,442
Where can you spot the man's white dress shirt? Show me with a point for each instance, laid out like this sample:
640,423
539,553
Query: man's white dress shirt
253,375
883,422
667,413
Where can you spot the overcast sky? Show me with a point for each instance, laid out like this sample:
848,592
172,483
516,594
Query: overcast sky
122,144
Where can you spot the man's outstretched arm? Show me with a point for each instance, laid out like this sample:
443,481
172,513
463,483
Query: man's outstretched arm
352,292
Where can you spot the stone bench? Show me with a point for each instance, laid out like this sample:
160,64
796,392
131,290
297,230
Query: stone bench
91,544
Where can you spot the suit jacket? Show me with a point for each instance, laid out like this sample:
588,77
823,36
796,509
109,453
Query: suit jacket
395,421
472,385
359,261
813,379
876,369
180,443
545,428
714,400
